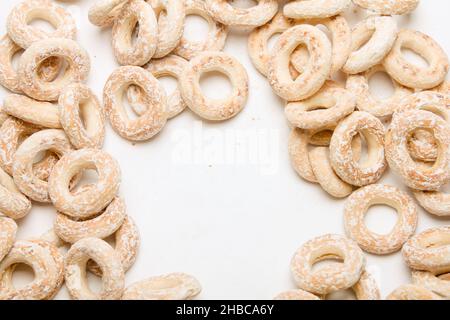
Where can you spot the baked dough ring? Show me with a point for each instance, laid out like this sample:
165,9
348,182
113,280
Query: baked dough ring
316,71
359,85
412,292
432,282
341,151
103,12
216,36
434,202
372,39
78,102
8,230
141,50
214,109
113,278
87,201
77,70
39,113
411,75
52,140
415,175
152,120
334,102
102,226
429,250
328,278
358,204
388,7
25,35
172,286
258,15
12,202
301,9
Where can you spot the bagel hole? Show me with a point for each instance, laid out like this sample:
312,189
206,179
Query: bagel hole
88,177
95,283
381,86
326,262
364,153
299,60
169,83
63,68
345,294
380,219
136,106
196,28
414,58
22,275
134,34
243,4
215,85
42,24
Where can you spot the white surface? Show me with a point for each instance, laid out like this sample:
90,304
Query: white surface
221,200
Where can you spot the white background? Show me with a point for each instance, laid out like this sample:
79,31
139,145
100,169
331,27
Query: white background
233,219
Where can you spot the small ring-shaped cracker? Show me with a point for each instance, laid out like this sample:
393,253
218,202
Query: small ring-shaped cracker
78,102
412,75
328,278
100,227
359,85
103,12
214,109
173,286
12,202
139,51
8,230
216,36
24,34
342,158
372,39
315,9
358,204
316,71
77,70
429,250
432,282
88,201
113,278
412,292
26,180
413,174
152,120
258,15
389,7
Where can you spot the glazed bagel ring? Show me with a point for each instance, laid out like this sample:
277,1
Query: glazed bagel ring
372,39
216,36
127,246
315,9
25,35
77,100
365,101
411,75
12,203
214,109
152,120
415,175
77,71
388,7
296,294
45,268
8,230
48,71
358,204
142,49
316,71
52,140
335,102
319,160
11,133
422,145
412,292
429,250
40,113
341,153
432,282
328,278
170,65
171,16
172,286
100,227
86,202
258,15
104,12
113,277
